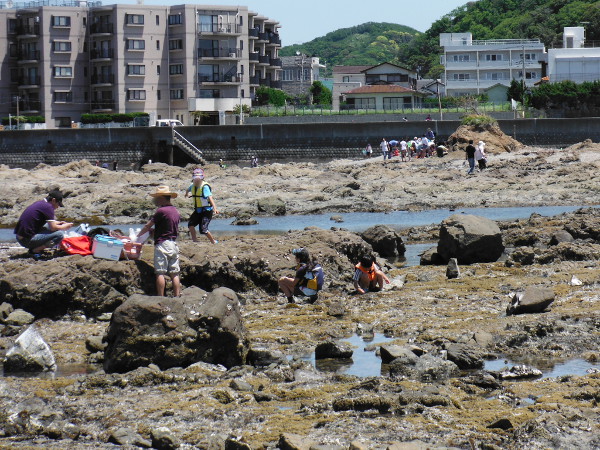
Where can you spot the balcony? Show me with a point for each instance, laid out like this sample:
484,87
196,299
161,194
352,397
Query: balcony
254,57
103,78
264,37
274,39
227,28
219,53
28,30
276,84
28,56
103,105
275,62
255,80
101,28
29,81
253,33
264,59
220,79
26,107
264,82
104,53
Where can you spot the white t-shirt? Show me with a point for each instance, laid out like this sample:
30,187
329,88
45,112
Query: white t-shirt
384,146
403,145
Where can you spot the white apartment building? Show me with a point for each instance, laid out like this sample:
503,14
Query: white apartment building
577,60
475,67
77,57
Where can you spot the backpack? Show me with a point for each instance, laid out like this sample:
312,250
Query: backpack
80,245
315,278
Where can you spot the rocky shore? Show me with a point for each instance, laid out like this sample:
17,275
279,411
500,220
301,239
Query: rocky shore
435,391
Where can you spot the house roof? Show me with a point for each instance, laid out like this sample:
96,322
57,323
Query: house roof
381,89
350,69
389,64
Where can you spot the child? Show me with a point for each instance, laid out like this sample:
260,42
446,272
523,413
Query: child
308,280
368,276
204,206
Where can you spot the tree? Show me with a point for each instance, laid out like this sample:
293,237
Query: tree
321,94
270,96
515,91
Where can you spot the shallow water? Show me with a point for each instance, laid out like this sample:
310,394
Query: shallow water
549,368
356,221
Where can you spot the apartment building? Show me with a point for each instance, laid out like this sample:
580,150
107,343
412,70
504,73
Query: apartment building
475,67
578,60
72,58
299,73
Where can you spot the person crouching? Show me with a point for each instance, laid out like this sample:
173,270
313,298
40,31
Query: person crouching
368,276
308,280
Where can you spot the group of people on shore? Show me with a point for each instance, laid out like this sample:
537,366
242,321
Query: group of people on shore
476,154
407,149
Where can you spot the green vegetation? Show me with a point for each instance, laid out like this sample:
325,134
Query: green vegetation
478,120
106,118
321,94
566,95
367,44
23,119
270,96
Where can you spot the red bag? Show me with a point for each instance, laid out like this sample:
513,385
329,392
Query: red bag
80,245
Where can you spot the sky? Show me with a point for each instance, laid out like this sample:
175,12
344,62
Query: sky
304,20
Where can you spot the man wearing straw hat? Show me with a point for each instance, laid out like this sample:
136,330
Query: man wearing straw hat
166,253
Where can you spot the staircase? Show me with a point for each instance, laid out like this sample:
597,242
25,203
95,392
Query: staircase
190,149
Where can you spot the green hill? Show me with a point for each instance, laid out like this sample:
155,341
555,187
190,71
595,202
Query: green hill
369,43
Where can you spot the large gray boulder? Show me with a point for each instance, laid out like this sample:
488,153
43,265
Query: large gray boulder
177,332
30,353
533,300
384,240
470,239
426,368
273,206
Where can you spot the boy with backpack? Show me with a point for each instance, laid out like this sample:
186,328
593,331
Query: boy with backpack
204,206
308,280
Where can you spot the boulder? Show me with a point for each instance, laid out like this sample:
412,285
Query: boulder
19,318
5,310
426,368
127,436
164,439
464,356
289,441
391,352
176,332
331,349
30,353
561,236
273,206
502,424
431,257
520,372
470,239
533,300
337,219
384,240
452,271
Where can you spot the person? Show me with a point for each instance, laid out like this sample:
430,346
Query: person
405,119
105,165
385,149
37,229
165,223
222,164
441,150
430,134
369,151
368,276
470,149
115,165
204,206
308,280
254,161
428,118
403,149
425,144
480,156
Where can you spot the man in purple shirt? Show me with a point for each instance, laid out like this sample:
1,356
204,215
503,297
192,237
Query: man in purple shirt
37,228
166,227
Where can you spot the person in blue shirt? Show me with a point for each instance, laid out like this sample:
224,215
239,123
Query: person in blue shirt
204,206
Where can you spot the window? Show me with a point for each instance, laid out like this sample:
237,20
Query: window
175,44
242,93
494,57
397,78
158,94
461,76
84,22
12,26
528,56
346,79
134,19
61,46
14,74
85,71
62,122
364,103
157,45
287,75
158,70
136,44
461,58
176,94
136,69
63,72
61,21
175,19
157,20
392,103
136,95
528,75
63,97
176,69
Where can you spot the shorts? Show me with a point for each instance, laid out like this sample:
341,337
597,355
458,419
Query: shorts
301,291
166,258
202,218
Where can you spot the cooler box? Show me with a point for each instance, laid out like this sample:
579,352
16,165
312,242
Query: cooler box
132,250
107,247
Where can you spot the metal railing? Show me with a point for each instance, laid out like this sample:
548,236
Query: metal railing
275,62
264,59
253,32
103,104
31,55
103,78
101,28
23,30
29,80
187,146
225,28
220,78
224,52
105,53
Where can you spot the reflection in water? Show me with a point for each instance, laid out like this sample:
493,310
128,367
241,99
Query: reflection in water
550,368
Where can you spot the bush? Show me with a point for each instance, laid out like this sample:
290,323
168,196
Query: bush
23,119
478,121
245,109
270,96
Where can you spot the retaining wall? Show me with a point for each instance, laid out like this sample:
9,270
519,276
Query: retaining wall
271,141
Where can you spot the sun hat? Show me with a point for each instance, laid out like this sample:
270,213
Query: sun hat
198,174
164,191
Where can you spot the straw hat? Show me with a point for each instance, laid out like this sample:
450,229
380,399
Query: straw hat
164,191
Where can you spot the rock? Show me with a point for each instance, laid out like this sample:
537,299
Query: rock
483,338
337,219
95,344
289,441
164,439
273,206
30,353
413,445
391,352
127,436
427,368
533,300
233,444
262,357
19,318
356,445
363,403
240,385
244,221
470,239
5,310
336,309
575,281
177,332
429,396
431,258
384,240
519,372
333,350
395,284
452,271
483,380
502,424
561,236
464,356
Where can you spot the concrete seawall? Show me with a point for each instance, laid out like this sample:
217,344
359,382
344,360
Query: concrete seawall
307,141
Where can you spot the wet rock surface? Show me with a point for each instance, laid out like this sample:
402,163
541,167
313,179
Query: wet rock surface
30,353
384,240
